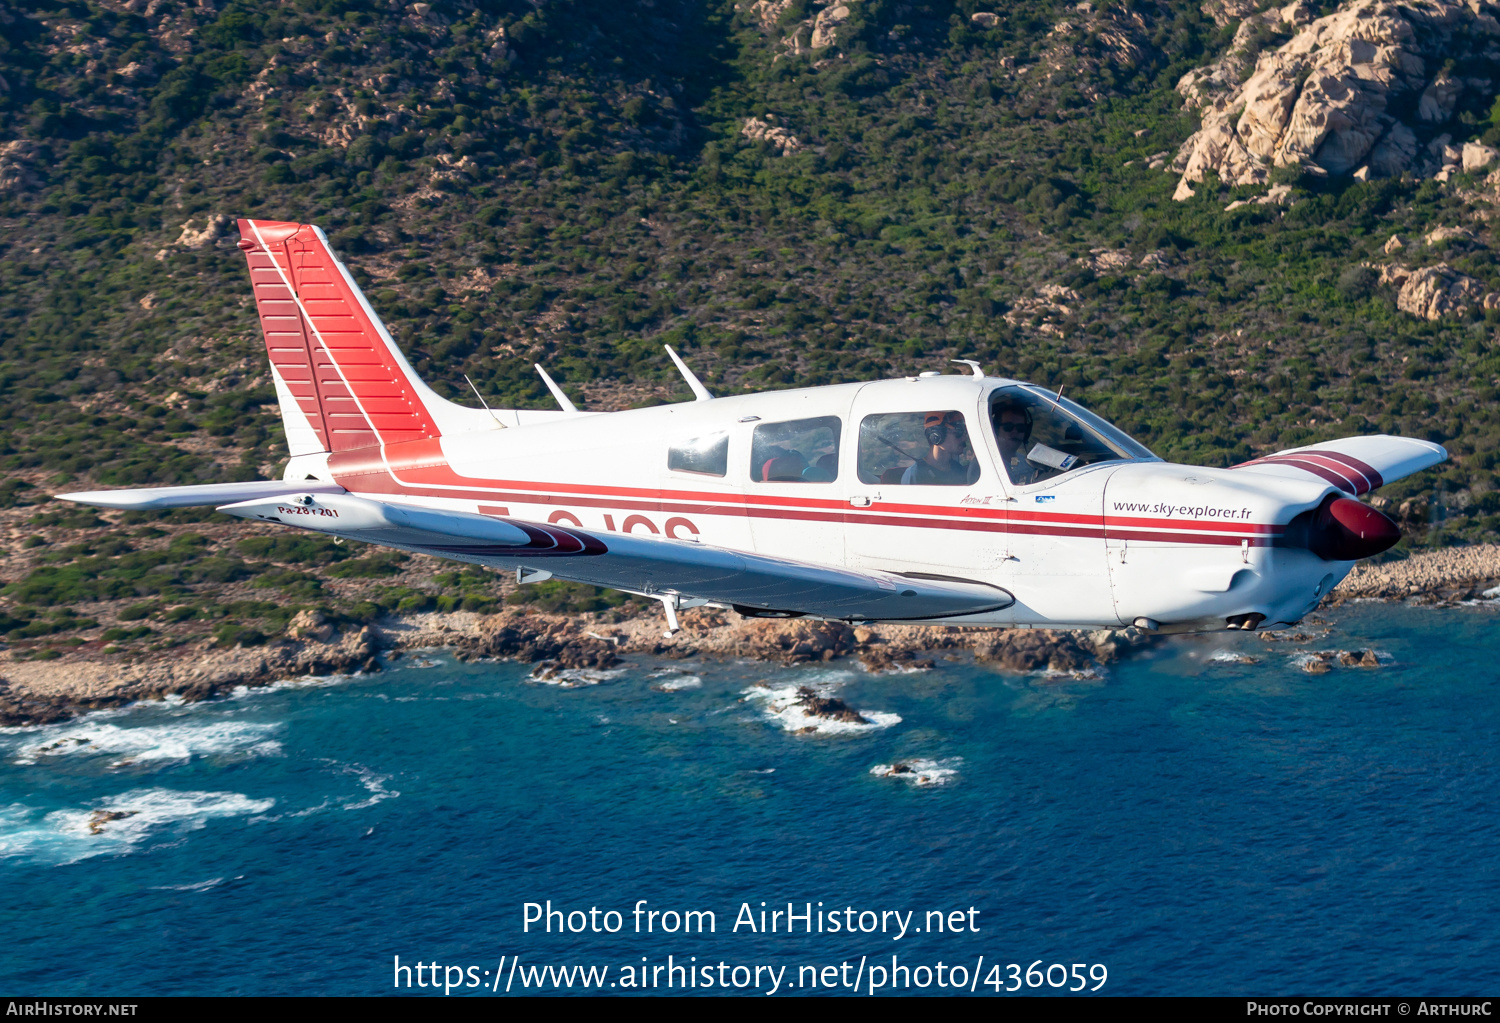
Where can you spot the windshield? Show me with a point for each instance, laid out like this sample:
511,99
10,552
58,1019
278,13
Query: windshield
1042,436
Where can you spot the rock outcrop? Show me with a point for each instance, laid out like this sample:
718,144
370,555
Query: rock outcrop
1324,100
774,135
18,165
826,26
198,234
1458,573
1433,292
809,35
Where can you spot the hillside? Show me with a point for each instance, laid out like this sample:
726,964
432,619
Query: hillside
790,192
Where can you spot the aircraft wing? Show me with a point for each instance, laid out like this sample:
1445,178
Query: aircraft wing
755,584
1356,465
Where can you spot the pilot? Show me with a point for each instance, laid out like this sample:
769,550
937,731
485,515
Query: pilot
1012,432
943,466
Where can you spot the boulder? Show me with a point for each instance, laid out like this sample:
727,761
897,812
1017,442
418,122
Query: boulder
1444,234
17,165
1433,292
198,237
985,19
1439,99
1394,153
1324,100
1224,12
310,624
1477,157
1395,244
825,26
99,818
828,708
757,130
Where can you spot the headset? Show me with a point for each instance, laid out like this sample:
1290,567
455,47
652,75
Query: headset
937,434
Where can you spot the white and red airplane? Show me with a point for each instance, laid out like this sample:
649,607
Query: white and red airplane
952,499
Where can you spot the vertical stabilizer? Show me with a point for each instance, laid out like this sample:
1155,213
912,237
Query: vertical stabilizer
342,382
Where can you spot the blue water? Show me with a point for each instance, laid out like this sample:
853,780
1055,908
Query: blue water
1193,825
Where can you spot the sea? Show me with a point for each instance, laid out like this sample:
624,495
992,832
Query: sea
1205,817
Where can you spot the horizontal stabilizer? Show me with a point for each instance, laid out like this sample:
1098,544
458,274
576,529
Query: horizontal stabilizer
380,522
204,495
639,564
1356,465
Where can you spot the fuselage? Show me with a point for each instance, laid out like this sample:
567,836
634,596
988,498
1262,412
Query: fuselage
845,475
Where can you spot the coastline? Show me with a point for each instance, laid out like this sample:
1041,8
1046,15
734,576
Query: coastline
1444,575
40,692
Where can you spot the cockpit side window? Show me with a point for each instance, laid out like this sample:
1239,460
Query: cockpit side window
799,451
1041,436
707,455
929,448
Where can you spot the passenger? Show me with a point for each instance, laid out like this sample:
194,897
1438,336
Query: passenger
787,468
1012,422
825,470
943,465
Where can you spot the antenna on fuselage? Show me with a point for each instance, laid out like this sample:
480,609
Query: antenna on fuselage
483,402
700,393
978,370
557,392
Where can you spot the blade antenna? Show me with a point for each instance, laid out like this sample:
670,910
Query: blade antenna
700,393
978,370
557,392
483,402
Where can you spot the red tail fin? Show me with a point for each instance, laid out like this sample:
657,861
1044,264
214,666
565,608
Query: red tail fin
327,345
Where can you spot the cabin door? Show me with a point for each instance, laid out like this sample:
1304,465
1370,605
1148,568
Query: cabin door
922,489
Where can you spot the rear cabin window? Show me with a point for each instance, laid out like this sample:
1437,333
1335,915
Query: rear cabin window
926,448
799,451
707,455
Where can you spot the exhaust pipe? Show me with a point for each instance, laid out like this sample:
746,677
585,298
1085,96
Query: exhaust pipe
1342,529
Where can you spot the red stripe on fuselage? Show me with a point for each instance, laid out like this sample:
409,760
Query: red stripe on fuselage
418,469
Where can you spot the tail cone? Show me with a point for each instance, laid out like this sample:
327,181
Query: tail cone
1342,529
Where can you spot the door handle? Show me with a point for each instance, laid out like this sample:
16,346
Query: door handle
863,501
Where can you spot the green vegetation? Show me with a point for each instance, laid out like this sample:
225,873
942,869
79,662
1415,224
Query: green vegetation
577,188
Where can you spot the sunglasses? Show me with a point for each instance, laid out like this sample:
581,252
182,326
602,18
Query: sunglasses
1011,427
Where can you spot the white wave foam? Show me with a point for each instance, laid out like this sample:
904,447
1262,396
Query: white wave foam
116,824
1493,593
151,744
1232,657
201,886
374,784
785,707
301,682
1052,675
572,678
921,773
672,683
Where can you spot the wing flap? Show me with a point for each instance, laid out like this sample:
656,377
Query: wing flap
640,564
203,495
1356,465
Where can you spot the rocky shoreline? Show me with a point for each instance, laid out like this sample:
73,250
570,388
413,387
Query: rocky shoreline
1431,577
39,692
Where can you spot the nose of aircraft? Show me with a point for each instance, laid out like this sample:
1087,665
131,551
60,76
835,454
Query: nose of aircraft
1343,529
